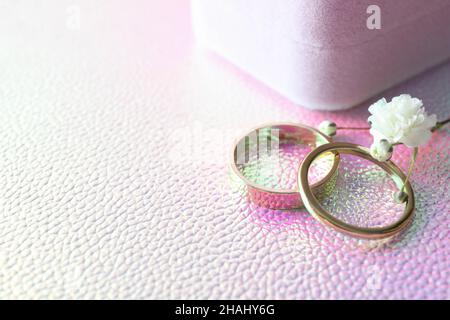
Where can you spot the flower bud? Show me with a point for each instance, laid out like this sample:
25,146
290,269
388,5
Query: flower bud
381,150
400,197
328,128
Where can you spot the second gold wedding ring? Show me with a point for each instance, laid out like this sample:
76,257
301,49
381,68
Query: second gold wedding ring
315,208
257,140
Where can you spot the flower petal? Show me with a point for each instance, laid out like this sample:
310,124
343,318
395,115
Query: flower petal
403,119
416,138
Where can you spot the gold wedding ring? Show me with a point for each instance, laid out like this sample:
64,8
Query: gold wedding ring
315,209
272,198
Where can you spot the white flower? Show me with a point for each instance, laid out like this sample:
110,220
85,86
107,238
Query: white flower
381,150
403,120
328,127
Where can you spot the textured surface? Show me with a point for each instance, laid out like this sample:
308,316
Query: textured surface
114,180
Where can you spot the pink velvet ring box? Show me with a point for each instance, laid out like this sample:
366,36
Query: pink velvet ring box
326,54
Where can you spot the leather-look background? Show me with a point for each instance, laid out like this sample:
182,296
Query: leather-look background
114,135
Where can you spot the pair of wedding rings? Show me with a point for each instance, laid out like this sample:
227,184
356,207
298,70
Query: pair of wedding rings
306,194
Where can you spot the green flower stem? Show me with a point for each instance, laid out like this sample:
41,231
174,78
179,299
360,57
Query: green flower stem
353,128
411,166
440,124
